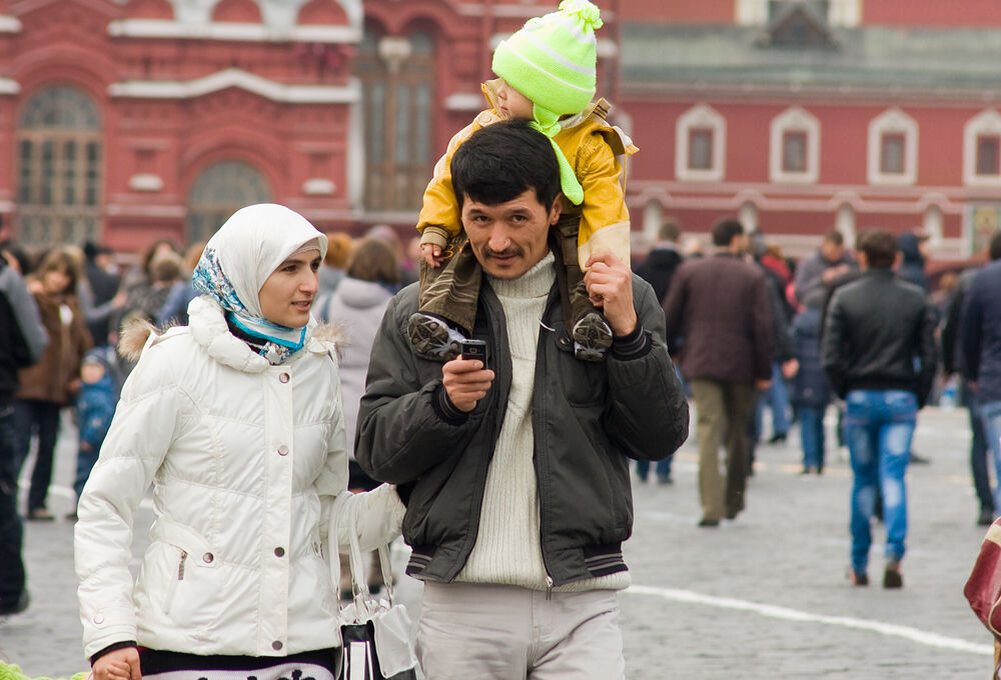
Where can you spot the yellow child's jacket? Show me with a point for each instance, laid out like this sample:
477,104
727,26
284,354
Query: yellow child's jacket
591,147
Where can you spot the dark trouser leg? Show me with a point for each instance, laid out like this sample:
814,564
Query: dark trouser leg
47,417
11,530
978,453
451,290
739,399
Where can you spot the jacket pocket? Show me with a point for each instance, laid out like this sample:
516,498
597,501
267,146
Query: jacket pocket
172,588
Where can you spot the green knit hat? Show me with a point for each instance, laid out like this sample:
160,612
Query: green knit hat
551,61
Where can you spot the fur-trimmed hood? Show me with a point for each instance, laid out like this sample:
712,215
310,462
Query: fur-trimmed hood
138,333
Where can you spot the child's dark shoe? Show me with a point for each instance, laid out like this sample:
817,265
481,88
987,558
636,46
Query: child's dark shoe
592,336
433,338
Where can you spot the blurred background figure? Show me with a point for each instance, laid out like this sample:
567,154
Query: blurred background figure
810,391
95,407
98,290
175,308
22,341
657,269
356,308
830,261
339,246
52,384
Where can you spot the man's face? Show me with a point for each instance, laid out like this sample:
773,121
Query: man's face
831,251
509,238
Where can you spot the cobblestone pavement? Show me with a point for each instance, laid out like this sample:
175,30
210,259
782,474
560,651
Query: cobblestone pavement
762,597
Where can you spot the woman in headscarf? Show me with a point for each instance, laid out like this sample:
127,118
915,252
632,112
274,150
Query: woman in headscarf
236,421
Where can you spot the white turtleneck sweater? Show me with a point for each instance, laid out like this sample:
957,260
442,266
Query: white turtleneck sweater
507,549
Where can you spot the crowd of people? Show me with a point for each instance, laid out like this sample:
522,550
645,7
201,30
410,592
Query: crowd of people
284,392
857,332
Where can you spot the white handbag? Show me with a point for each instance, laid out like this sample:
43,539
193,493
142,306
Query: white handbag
375,631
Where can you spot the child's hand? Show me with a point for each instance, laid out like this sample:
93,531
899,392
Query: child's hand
84,446
431,254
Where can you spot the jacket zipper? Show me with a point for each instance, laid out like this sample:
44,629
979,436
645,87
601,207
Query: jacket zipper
173,584
549,587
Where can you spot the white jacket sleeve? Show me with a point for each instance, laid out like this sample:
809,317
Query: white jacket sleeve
140,435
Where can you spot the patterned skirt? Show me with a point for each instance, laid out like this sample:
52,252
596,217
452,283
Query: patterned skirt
322,664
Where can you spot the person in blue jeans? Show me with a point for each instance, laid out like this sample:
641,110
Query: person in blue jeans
810,392
980,340
878,351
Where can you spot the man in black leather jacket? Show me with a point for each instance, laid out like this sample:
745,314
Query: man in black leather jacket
878,351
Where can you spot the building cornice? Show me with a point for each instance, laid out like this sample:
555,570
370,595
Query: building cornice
237,32
234,77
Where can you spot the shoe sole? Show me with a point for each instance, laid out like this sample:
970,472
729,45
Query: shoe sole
592,336
431,337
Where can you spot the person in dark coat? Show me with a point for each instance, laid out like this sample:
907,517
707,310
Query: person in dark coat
657,269
810,392
912,264
720,306
878,351
980,339
23,340
954,362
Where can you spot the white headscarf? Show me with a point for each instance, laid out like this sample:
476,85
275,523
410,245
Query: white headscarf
241,256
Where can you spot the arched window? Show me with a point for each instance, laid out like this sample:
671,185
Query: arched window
700,145
794,147
893,149
982,150
59,168
397,79
218,192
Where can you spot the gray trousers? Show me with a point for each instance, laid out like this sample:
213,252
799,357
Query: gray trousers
484,632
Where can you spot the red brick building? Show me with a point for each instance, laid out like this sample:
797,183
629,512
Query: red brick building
130,120
805,116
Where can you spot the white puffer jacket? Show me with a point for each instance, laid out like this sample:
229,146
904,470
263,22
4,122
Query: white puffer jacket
248,466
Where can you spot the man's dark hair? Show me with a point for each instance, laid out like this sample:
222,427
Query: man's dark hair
670,231
834,236
725,230
500,162
880,248
994,250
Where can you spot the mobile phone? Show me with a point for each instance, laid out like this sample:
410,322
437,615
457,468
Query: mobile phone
475,349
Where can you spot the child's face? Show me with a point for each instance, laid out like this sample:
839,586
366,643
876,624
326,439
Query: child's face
91,372
513,104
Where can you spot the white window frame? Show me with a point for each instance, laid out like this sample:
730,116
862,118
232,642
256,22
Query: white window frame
847,13
985,123
892,121
794,119
698,117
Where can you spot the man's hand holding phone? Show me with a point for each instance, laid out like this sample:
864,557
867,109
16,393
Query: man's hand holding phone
467,378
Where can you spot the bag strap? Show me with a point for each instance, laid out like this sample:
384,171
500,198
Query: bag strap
359,584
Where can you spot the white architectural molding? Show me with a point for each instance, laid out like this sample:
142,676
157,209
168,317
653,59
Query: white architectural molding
8,86
464,101
236,32
986,123
892,121
846,13
9,24
653,216
356,154
748,216
318,186
145,182
234,77
700,116
794,119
